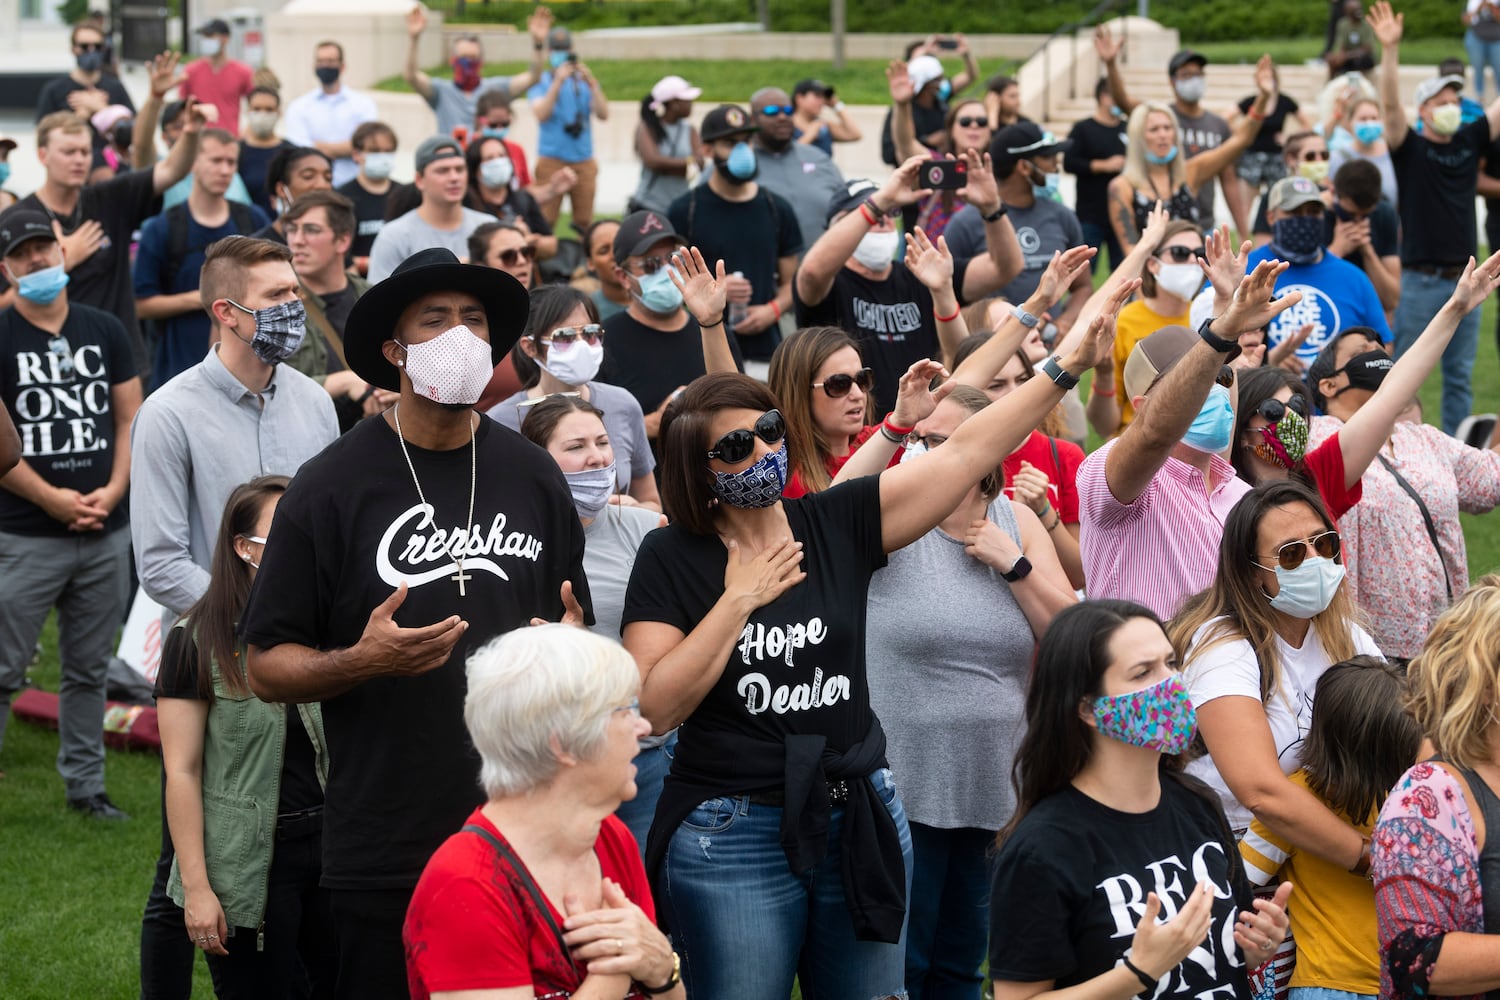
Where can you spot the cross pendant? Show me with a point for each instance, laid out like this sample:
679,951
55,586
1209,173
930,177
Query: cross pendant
459,579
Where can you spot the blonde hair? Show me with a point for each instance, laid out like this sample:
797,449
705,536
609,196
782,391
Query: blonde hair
1136,169
60,121
1454,679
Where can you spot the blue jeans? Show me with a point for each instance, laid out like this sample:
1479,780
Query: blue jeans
651,768
1102,238
746,925
948,912
1482,55
1422,295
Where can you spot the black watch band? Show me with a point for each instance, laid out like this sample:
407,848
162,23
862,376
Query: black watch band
1019,571
1053,369
996,215
1227,347
671,982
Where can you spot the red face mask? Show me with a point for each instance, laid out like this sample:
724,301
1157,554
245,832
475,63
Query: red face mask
466,73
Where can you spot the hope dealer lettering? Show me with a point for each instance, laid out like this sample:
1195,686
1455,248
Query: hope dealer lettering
759,642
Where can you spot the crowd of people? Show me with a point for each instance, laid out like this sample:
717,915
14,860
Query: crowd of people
488,551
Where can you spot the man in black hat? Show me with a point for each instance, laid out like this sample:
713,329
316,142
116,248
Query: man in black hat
67,373
217,79
407,544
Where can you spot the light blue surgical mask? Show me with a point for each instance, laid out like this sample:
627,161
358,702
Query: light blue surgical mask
42,286
658,294
558,58
490,132
1164,158
741,164
1213,427
1046,183
1306,592
945,91
4,172
1116,111
1369,132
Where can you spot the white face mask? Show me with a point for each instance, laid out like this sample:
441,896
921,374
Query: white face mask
209,46
591,489
261,123
378,166
576,365
877,250
914,450
497,172
1181,280
452,368
1446,119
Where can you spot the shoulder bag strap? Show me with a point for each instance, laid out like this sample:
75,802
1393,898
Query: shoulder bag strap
531,887
1426,518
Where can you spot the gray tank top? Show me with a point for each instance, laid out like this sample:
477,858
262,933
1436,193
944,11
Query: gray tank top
1489,857
657,191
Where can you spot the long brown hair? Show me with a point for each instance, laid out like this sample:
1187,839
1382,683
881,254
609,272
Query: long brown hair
794,365
1362,737
1239,608
686,494
215,617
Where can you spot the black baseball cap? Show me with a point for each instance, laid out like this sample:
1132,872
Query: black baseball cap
852,195
437,147
1182,58
640,231
811,86
1024,140
724,121
20,225
218,26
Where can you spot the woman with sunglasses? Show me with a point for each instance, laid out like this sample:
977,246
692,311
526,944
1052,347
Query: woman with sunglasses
1117,876
244,793
1255,643
780,849
490,190
966,127
1156,169
560,353
505,247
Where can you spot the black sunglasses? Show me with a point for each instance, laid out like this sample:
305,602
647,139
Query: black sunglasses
1291,555
1315,154
1274,409
1181,255
968,122
838,386
510,256
1225,377
737,445
775,110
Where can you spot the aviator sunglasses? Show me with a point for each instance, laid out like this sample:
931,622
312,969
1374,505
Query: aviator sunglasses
1290,555
737,445
838,386
567,336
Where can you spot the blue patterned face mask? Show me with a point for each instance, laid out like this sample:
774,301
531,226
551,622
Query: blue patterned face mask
758,486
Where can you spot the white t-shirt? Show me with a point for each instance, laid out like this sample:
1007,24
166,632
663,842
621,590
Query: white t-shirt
1231,668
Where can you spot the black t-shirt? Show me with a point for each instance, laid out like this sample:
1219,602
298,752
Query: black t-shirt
1436,182
120,205
1385,228
65,417
799,665
1275,123
403,775
54,95
1093,141
891,319
519,206
268,232
178,678
1071,882
253,163
750,237
369,215
651,364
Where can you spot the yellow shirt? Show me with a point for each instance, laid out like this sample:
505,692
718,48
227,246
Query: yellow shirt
1332,911
1137,322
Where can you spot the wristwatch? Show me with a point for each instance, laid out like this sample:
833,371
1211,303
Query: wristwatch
1018,571
996,215
1026,319
676,976
1231,348
1053,369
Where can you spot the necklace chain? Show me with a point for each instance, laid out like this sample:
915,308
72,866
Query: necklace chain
458,556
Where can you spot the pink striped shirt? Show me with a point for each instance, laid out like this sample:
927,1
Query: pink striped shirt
1163,548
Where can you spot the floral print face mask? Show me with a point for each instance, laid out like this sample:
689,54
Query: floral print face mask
1160,717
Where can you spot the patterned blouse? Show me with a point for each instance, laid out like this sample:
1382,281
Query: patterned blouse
1394,574
1425,862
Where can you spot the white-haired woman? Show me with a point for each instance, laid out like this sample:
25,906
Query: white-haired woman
542,893
1156,169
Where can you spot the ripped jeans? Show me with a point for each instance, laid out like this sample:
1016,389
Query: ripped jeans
745,925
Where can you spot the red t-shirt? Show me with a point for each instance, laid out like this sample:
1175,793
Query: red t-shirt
472,925
1061,473
796,488
1326,463
518,162
223,89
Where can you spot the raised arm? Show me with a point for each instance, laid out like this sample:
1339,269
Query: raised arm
916,496
915,401
416,23
832,250
980,368
542,106
704,294
1389,27
537,26
1107,48
933,267
184,151
1361,437
903,129
1129,270
1212,162
164,76
965,79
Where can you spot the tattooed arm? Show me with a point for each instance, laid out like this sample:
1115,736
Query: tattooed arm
1122,213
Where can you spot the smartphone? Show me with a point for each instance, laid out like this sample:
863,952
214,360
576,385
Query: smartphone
941,175
947,43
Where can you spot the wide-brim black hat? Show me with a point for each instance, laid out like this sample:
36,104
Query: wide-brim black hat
372,321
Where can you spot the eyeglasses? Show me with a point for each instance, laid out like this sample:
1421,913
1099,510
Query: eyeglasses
737,445
567,336
1225,377
1315,154
776,110
254,539
650,265
1181,255
59,348
634,708
513,255
967,122
89,46
1274,409
838,386
1290,555
929,441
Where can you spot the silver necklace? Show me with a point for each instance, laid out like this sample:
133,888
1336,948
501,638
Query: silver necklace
458,556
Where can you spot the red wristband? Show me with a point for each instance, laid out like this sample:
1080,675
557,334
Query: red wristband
776,308
947,319
895,429
869,216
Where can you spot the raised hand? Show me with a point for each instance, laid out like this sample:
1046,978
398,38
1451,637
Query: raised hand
900,82
1386,23
1061,271
1476,284
1156,225
1098,343
1265,76
416,21
1106,46
755,582
932,264
1158,948
704,292
900,189
163,73
915,401
1254,304
982,191
1224,268
538,24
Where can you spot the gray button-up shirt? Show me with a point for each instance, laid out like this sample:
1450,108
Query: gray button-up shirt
194,440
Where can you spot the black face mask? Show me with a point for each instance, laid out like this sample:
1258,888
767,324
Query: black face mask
1366,371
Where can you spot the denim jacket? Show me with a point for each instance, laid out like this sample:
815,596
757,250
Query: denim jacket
243,745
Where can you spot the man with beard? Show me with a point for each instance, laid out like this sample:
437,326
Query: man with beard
753,230
802,174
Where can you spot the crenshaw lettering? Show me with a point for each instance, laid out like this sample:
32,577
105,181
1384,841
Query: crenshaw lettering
427,544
